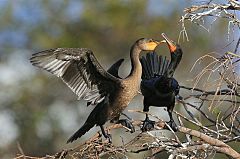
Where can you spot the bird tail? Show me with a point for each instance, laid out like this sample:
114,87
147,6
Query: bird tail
94,118
85,128
153,65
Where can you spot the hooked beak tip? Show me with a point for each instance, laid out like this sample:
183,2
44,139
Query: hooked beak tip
163,41
171,45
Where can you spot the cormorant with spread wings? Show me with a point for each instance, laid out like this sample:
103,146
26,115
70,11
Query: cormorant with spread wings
83,74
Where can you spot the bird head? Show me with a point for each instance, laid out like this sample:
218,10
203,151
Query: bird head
176,55
147,44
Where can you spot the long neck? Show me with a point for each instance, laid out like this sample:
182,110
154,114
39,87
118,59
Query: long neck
175,60
136,70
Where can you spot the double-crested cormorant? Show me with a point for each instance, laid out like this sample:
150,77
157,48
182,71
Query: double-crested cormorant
158,86
80,70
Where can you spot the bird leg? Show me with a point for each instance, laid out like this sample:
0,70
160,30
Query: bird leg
106,135
171,123
147,124
127,123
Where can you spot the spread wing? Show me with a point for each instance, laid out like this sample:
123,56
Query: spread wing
113,70
80,70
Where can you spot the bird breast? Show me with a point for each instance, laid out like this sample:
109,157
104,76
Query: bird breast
126,93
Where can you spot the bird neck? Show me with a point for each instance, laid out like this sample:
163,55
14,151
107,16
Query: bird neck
136,70
175,60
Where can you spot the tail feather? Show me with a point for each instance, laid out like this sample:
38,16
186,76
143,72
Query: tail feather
148,61
164,66
98,116
152,62
156,63
153,65
160,65
85,128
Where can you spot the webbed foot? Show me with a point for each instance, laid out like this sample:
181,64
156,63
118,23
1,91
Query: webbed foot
147,125
106,135
127,123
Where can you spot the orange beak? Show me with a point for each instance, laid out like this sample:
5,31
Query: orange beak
171,45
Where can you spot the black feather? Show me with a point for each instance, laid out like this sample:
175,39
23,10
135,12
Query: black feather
153,65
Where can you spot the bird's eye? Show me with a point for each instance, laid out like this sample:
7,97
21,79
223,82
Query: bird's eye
151,40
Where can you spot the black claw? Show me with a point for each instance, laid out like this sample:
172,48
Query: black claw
106,135
126,116
147,125
109,137
127,123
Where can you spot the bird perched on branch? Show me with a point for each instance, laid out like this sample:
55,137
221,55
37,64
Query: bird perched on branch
83,74
158,86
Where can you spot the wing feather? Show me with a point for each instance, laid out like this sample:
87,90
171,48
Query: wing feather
80,70
153,65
